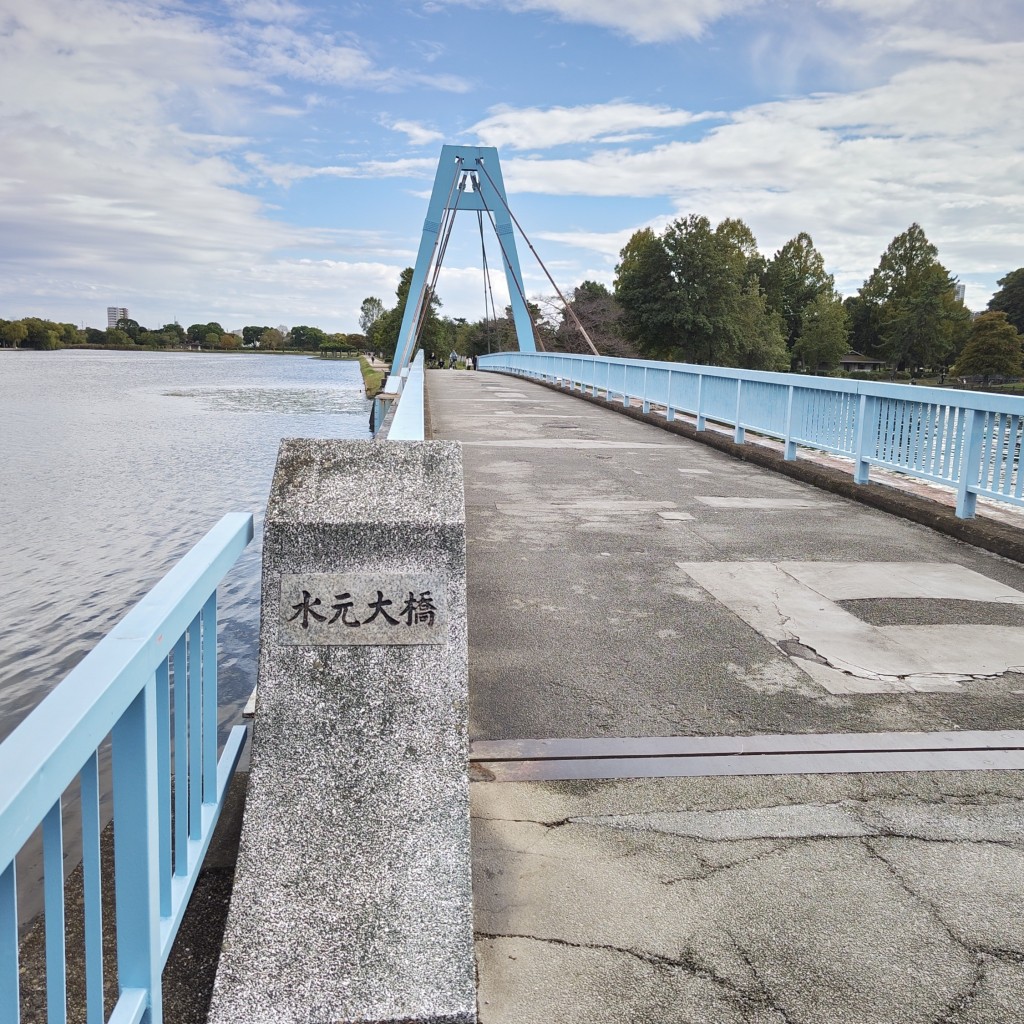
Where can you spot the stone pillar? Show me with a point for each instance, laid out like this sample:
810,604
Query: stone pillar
352,897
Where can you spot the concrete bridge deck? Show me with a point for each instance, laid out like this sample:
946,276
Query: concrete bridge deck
628,583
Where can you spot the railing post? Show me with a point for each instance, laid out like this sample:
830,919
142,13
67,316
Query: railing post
89,781
53,904
970,464
737,435
861,465
136,854
701,421
670,413
790,449
645,401
9,998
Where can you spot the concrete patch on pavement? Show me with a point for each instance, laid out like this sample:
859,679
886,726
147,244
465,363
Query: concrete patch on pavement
559,442
587,507
845,900
793,605
851,581
766,504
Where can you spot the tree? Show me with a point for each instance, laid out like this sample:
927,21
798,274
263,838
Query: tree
648,296
694,294
115,336
919,321
864,319
251,336
385,329
41,334
599,312
130,327
371,310
722,314
157,339
197,333
1010,298
175,330
824,337
12,333
271,338
306,338
993,349
792,280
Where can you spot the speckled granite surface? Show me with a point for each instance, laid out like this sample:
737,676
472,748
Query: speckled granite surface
352,897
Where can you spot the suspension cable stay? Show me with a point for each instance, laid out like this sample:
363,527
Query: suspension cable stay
492,316
518,283
568,308
430,290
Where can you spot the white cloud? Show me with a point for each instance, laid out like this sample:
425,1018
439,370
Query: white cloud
646,21
278,50
107,192
278,11
537,128
417,134
938,143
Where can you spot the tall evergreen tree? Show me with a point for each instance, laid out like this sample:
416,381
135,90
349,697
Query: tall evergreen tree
648,295
920,323
793,279
1010,298
993,349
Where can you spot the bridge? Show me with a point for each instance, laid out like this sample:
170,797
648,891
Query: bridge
740,747
591,690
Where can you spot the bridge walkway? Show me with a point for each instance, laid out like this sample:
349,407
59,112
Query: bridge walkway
640,592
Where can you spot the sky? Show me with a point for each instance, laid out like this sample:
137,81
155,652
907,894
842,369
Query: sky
270,161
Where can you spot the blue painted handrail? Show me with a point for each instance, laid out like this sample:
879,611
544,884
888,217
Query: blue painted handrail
405,422
970,441
156,669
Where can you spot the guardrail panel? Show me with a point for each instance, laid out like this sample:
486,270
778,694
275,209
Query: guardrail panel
968,440
120,689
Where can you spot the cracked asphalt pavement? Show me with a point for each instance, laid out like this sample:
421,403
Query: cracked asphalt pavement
624,581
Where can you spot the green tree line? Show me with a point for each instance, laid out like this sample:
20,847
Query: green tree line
704,293
36,333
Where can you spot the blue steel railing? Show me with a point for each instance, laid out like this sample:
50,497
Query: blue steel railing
969,441
155,673
404,420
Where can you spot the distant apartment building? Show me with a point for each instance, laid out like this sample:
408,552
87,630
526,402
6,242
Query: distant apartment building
115,313
959,291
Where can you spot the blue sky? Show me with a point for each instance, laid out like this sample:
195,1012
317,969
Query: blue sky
269,161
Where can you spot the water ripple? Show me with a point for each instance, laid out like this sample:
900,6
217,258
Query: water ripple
114,465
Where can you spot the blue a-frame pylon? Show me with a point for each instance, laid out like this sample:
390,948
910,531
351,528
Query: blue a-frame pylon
468,178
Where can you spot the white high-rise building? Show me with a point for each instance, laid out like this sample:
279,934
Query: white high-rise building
115,313
959,291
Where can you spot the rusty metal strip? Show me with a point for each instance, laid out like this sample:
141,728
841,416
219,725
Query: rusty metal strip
688,746
679,756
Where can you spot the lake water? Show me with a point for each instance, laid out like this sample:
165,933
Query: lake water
113,465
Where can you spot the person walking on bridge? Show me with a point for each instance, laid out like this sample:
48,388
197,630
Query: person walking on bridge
451,359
